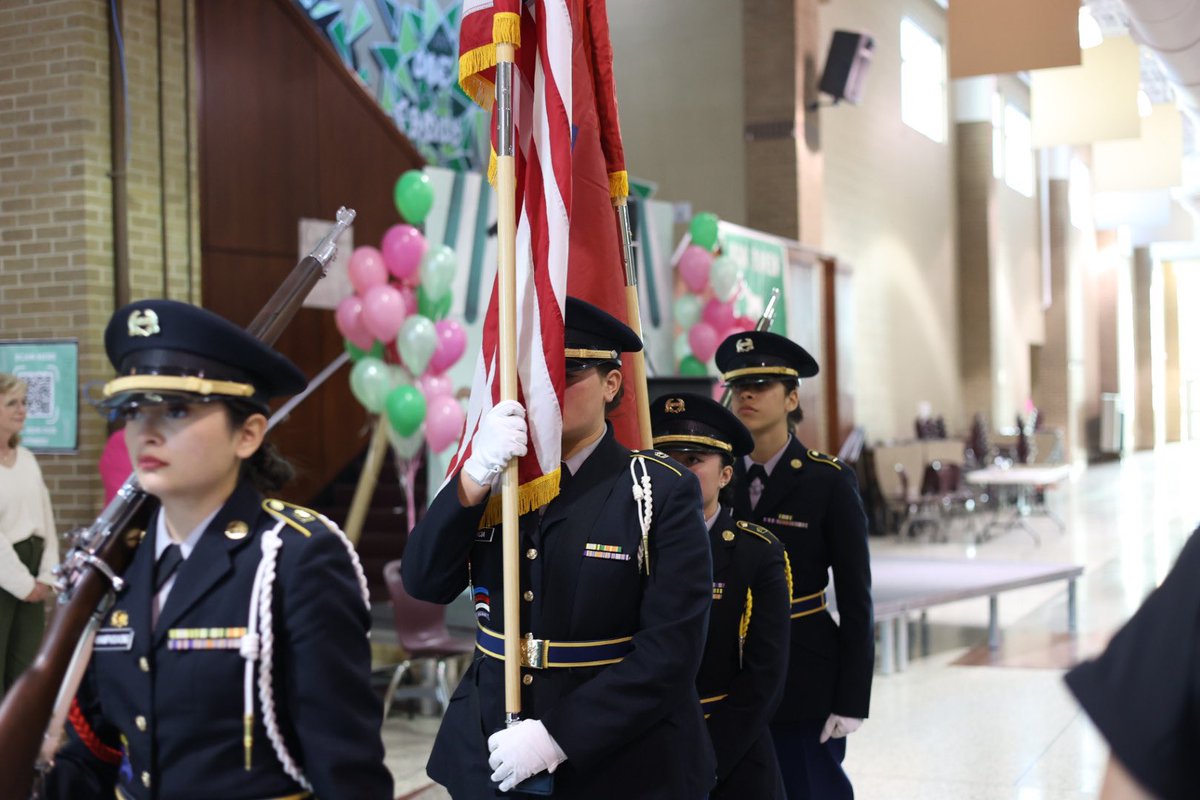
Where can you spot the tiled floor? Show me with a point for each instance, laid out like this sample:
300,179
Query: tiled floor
965,723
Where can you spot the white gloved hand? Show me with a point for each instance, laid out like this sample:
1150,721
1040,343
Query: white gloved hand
525,749
836,727
502,436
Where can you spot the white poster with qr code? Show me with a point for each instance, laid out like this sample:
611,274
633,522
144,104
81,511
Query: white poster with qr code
49,374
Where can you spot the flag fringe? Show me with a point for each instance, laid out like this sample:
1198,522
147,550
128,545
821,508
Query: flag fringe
618,184
491,174
534,494
506,29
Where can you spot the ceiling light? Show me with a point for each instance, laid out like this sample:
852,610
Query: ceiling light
1089,29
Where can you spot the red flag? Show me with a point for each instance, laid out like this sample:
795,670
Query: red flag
598,162
542,115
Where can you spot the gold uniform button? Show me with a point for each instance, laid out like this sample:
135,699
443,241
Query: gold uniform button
140,721
144,664
531,553
528,595
236,530
146,779
527,679
797,463
727,536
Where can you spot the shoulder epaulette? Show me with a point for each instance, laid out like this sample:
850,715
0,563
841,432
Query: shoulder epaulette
758,530
656,456
302,519
818,456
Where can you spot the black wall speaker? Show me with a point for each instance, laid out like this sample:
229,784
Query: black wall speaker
846,66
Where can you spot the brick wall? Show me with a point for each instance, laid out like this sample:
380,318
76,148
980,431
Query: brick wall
56,263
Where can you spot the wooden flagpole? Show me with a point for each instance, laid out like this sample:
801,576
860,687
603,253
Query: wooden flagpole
506,289
633,311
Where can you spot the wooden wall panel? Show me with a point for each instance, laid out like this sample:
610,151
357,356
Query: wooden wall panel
286,132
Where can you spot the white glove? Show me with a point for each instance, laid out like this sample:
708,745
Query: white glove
502,436
836,727
523,750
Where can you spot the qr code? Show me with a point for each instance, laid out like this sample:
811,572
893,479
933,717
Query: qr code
40,395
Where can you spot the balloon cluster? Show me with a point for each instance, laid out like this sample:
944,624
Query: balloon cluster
705,311
396,331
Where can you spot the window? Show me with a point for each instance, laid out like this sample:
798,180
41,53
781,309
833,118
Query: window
1018,150
922,81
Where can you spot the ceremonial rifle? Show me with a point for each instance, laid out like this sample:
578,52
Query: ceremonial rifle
764,324
33,711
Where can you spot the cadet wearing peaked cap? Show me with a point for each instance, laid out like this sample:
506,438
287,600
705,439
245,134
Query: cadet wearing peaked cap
212,672
810,501
745,657
612,617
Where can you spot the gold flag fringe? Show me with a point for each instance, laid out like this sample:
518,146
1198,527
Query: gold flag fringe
618,184
534,494
506,29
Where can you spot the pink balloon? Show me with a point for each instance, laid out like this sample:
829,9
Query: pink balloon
444,420
433,385
410,300
366,269
703,339
402,248
743,324
718,314
694,266
383,312
349,319
451,342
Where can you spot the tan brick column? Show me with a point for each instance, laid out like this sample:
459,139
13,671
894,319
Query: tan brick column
1141,272
1056,382
1172,397
973,190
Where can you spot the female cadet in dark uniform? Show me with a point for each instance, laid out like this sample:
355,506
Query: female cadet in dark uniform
235,662
745,657
1143,692
614,620
811,502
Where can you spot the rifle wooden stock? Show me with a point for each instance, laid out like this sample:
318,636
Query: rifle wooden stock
29,705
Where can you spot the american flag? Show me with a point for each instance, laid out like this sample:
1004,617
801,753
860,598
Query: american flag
542,111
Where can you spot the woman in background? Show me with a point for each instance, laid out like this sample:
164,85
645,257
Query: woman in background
28,544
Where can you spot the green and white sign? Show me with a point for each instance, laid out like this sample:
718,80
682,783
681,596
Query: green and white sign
50,367
763,261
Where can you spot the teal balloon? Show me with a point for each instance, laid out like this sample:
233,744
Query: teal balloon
704,230
370,382
414,196
357,353
406,447
437,271
683,347
405,407
692,366
416,342
430,308
724,277
687,310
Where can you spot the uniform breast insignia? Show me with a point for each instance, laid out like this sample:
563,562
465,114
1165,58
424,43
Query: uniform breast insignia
817,455
718,590
758,530
119,618
297,517
113,640
485,534
144,323
609,551
483,604
785,519
205,638
727,536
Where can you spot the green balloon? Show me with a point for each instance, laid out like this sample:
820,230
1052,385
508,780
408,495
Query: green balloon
431,308
416,343
693,366
370,382
357,353
414,196
405,407
704,230
687,308
437,271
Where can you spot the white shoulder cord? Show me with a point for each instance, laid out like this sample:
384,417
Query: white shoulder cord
259,647
643,496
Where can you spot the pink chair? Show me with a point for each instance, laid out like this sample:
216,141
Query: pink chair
421,629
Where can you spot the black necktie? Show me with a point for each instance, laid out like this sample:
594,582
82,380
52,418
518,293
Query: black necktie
756,471
167,563
564,477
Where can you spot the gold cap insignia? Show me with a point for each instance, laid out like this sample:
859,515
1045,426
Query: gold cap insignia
144,323
797,463
727,536
674,405
119,619
744,345
236,530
